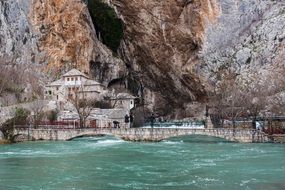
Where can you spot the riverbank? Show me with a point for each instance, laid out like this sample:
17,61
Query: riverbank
4,142
278,138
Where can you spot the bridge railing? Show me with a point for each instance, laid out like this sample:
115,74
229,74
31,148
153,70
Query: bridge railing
50,127
221,131
177,124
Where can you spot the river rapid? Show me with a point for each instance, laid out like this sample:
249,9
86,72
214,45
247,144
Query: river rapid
107,163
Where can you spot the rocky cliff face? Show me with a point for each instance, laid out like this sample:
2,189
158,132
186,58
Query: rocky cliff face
18,42
68,37
174,48
248,39
54,35
182,47
161,44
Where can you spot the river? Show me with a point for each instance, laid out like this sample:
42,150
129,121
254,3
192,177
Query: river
176,164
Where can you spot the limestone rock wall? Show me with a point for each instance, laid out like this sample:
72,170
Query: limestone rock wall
54,35
175,48
18,42
161,44
248,38
68,37
180,48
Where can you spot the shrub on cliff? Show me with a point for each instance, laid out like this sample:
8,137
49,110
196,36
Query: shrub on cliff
108,26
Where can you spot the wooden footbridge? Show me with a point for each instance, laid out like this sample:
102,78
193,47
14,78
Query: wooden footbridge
140,134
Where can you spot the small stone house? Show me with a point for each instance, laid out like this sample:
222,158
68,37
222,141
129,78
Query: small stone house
123,101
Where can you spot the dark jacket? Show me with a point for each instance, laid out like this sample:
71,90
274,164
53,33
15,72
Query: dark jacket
127,119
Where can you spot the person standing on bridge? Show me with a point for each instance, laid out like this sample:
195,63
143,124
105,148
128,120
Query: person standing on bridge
116,124
127,120
152,120
131,120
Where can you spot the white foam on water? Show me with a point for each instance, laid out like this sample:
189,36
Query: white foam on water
31,153
204,162
245,182
172,142
258,150
103,143
8,153
206,179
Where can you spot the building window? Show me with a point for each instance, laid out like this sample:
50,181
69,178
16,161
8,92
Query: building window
49,92
131,102
76,78
67,79
72,79
57,97
57,88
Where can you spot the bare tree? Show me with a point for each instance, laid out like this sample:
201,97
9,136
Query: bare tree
82,104
113,99
15,78
10,80
3,79
276,100
226,101
37,111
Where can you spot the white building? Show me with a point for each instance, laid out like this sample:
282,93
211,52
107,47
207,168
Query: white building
73,82
123,101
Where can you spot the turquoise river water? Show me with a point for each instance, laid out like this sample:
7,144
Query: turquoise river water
188,163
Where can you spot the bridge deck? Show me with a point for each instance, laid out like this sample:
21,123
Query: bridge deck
141,134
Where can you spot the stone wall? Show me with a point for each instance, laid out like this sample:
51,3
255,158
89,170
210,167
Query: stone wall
8,112
1,136
141,134
278,138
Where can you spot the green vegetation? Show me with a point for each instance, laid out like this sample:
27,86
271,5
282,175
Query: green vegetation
52,115
107,24
20,118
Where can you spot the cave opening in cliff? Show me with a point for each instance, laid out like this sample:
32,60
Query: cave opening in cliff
109,28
